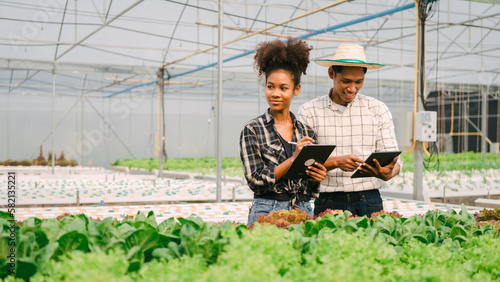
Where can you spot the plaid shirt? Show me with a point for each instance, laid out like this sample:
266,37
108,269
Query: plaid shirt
363,127
261,151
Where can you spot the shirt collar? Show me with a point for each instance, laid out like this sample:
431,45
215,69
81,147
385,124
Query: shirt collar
269,117
334,106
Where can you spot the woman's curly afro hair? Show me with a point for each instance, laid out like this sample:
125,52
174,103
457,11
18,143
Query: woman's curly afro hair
292,56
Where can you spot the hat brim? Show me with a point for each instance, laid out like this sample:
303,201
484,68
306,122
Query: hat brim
348,63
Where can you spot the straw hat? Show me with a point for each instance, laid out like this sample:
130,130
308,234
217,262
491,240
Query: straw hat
349,55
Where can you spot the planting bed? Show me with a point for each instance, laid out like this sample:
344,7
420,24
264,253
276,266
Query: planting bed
453,186
436,246
45,189
210,242
45,195
213,212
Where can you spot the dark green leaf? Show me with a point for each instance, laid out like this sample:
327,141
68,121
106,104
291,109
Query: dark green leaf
40,237
84,218
317,226
151,219
116,244
420,238
360,221
92,228
430,234
25,268
383,227
45,254
167,226
458,230
193,221
389,239
164,239
126,229
143,225
165,253
31,222
140,216
5,247
5,215
350,227
72,223
175,249
135,253
134,265
25,245
51,227
5,268
143,238
71,241
460,238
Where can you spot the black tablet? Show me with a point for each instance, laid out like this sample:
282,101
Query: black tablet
384,158
307,156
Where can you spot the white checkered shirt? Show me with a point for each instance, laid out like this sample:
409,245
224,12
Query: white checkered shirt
363,127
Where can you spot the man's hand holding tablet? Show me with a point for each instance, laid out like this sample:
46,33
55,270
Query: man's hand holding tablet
378,164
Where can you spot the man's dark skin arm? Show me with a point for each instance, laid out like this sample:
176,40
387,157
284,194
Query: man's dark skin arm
345,163
352,162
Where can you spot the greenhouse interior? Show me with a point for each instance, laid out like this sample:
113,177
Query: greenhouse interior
120,137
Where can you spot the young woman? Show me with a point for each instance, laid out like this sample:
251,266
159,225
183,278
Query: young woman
269,143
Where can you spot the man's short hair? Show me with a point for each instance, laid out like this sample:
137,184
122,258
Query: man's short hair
338,69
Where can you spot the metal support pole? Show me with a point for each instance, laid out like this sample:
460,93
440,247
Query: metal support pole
484,121
8,113
83,128
418,171
53,124
418,153
465,124
219,103
160,121
8,126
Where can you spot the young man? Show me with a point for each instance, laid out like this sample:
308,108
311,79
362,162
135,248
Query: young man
358,125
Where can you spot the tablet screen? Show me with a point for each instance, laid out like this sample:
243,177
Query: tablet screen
308,155
384,158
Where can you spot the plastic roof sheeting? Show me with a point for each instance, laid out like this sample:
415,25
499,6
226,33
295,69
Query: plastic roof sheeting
102,47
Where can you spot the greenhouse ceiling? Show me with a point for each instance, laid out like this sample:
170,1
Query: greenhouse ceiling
107,48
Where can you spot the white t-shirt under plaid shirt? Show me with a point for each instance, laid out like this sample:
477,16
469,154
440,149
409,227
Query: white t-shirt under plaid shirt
363,127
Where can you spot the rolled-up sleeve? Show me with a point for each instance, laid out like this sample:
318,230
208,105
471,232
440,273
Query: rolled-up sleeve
260,178
386,136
